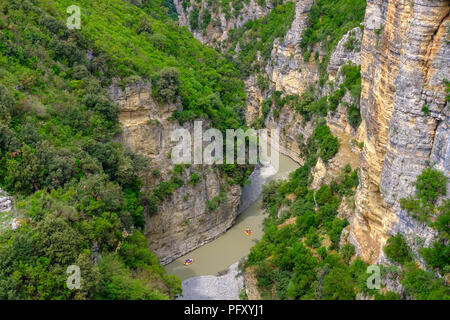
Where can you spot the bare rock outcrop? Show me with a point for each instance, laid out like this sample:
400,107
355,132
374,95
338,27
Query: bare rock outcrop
287,69
6,211
221,22
405,57
183,221
348,50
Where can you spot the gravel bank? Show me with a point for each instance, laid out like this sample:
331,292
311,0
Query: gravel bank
224,287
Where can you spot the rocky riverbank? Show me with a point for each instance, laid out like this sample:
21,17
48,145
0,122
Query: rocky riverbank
221,287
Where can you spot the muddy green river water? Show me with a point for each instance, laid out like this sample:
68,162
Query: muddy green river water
235,244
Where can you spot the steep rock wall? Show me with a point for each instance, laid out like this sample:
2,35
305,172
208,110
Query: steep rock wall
293,72
405,57
218,30
287,69
183,221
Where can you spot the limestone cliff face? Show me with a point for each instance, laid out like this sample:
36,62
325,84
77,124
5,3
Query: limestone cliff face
293,131
287,69
290,74
405,57
344,54
217,33
221,23
183,221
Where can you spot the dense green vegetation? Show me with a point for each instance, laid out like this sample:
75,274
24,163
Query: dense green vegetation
329,21
304,260
171,9
77,189
419,283
255,38
397,250
430,185
310,105
140,43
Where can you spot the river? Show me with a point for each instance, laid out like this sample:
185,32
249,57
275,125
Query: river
235,244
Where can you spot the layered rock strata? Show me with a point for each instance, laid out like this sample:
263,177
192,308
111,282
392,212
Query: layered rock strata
183,221
405,58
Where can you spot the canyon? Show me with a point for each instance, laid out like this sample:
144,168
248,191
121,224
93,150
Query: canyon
183,221
403,66
360,98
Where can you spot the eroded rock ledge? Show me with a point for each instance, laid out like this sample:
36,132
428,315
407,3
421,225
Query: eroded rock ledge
404,63
183,221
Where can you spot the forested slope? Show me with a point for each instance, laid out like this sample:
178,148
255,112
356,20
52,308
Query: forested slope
77,190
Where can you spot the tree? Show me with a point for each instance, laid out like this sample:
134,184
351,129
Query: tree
167,84
324,196
423,285
145,26
339,285
442,223
118,284
397,250
335,231
90,280
27,175
430,185
103,106
174,285
134,252
438,256
6,105
56,240
8,140
347,252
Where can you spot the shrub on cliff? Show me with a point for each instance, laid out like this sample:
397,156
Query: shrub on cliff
166,84
255,38
397,249
327,143
430,185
